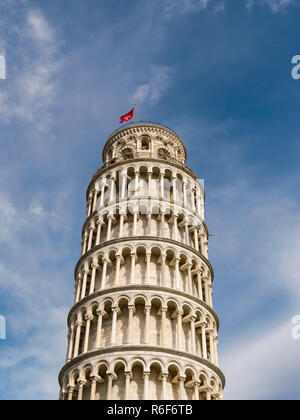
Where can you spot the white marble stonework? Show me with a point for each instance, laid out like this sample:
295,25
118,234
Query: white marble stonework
142,325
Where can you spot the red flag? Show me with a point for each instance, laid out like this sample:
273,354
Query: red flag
127,116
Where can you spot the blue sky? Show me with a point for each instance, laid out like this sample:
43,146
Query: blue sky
218,72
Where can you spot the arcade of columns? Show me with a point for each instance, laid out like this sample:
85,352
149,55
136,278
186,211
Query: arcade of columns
143,325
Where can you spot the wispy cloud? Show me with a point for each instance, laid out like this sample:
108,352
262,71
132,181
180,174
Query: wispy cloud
275,5
157,84
172,7
32,83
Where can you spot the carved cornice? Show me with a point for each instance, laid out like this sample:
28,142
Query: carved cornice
95,213
143,238
142,128
146,287
102,171
140,348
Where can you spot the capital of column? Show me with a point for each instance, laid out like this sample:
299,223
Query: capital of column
95,264
88,317
97,378
146,375
163,376
86,270
81,382
115,309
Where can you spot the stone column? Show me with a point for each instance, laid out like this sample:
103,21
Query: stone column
196,242
95,266
112,189
91,229
184,193
149,223
85,238
163,269
192,321
109,385
95,200
181,387
135,217
203,336
88,319
71,390
130,322
149,183
136,184
77,339
206,291
175,233
132,272
71,342
94,380
162,224
102,194
189,275
99,328
128,376
121,225
147,318
177,286
118,265
146,382
104,268
163,325
164,377
187,235
86,272
208,394
123,187
81,384
109,223
179,330
99,227
148,259
78,292
193,194
199,280
89,206
114,325
196,390
162,192
174,189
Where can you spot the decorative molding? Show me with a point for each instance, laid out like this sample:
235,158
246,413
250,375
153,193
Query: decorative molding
145,287
144,238
140,348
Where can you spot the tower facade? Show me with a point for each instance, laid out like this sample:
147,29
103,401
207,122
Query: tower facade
143,325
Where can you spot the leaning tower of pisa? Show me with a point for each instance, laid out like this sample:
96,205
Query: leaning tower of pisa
143,326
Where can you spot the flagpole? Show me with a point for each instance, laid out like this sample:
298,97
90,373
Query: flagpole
136,112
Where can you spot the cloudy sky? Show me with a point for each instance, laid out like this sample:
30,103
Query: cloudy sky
218,72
